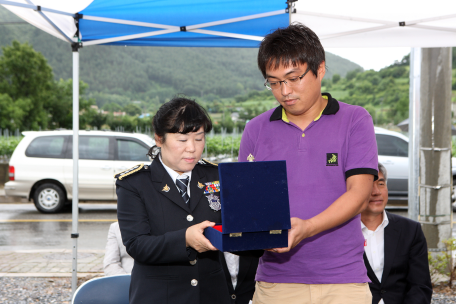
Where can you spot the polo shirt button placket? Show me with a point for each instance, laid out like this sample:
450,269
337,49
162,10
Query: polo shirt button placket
302,143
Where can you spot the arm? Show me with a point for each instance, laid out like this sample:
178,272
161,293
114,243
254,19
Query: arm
136,233
112,264
144,247
344,208
360,166
419,287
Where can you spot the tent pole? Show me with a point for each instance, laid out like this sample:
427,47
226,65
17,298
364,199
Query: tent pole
414,133
290,9
75,211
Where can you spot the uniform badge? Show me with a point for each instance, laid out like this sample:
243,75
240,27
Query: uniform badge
250,158
166,188
212,187
200,185
214,202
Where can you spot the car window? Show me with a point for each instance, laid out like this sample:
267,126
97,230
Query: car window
131,150
47,147
92,147
391,146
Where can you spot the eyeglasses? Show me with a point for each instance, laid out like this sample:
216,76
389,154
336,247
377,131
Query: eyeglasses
290,82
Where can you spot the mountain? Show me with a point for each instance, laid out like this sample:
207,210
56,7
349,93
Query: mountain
123,74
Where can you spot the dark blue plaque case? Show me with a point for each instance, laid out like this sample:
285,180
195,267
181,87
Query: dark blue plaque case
255,208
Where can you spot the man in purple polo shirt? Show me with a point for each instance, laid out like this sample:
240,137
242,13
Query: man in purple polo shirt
331,156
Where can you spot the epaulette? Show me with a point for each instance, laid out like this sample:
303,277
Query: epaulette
205,162
130,171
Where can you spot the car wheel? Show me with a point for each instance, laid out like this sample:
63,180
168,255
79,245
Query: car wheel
49,198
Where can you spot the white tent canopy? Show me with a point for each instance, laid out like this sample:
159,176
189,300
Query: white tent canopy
56,17
387,23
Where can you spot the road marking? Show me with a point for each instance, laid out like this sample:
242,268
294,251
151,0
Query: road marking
55,220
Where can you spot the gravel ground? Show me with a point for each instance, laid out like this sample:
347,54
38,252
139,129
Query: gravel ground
24,290
18,290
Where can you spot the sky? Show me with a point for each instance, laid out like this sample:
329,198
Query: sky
371,58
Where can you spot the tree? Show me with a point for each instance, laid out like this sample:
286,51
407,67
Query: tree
112,107
26,75
335,78
132,109
13,113
59,105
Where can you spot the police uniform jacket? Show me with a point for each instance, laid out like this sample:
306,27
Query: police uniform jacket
153,219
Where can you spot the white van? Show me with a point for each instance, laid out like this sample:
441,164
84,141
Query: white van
41,167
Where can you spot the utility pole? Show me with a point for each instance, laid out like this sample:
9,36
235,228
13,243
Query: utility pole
435,210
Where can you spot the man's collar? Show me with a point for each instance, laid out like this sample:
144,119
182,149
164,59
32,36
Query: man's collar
384,223
332,107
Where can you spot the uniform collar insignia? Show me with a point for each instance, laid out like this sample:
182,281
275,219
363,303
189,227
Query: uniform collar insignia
200,185
166,188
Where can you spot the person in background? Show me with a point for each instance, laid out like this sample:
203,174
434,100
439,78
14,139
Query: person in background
395,252
116,259
240,276
331,156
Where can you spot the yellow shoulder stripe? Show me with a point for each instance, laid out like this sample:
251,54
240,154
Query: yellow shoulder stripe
130,171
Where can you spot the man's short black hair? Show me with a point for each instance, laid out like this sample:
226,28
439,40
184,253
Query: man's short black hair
295,44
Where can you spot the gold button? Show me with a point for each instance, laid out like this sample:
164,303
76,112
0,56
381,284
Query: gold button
194,282
303,135
193,262
189,218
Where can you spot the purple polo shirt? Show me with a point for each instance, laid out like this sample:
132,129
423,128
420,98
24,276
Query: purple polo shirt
338,144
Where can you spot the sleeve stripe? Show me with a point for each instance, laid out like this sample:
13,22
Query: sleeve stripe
358,171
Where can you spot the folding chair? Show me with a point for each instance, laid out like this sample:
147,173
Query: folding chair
112,290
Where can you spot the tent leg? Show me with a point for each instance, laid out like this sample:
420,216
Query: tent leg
75,211
414,134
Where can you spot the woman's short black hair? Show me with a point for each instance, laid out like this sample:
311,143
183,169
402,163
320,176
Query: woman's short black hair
295,44
179,115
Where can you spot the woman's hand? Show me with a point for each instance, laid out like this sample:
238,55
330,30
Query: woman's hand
194,237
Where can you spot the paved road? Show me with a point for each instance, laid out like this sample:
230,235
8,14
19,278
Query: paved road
22,227
39,245
36,244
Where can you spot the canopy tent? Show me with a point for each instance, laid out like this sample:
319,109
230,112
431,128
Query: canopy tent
201,23
236,23
388,23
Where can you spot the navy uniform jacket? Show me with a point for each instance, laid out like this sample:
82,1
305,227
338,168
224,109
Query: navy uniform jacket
153,219
405,278
245,286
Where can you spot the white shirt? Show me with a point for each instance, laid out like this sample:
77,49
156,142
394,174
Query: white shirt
375,247
174,175
232,263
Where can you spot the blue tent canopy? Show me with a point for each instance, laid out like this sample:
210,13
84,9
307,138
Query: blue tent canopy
203,23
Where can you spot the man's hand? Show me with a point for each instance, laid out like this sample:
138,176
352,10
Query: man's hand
300,229
194,237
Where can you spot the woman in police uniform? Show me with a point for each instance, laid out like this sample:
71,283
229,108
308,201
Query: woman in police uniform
162,219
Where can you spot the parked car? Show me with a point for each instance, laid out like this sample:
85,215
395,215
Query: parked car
393,154
41,167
